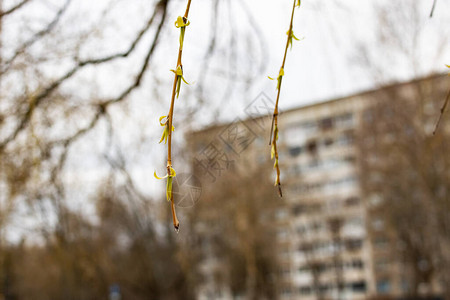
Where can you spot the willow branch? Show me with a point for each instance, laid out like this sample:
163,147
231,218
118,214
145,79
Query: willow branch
176,223
274,127
275,113
443,108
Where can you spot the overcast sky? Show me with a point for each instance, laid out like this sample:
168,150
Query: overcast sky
328,63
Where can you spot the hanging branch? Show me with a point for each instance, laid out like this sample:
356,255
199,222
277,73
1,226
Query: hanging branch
444,106
442,112
274,127
432,8
167,121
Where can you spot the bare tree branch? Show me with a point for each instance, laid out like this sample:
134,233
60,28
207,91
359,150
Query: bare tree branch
102,109
14,8
140,75
442,112
161,7
37,36
432,8
208,55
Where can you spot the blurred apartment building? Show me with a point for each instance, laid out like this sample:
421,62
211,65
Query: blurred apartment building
332,244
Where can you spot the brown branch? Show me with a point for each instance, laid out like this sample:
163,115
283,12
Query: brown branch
274,127
101,112
275,113
119,164
258,33
67,142
209,52
442,112
432,8
13,9
144,67
162,5
102,108
37,36
176,223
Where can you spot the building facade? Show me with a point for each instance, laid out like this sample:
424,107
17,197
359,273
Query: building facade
332,244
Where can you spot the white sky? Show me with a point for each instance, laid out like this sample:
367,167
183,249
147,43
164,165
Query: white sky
324,65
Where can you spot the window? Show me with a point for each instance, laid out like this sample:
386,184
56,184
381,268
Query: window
381,264
353,244
305,290
357,264
309,127
282,234
315,163
352,201
378,224
326,124
346,138
305,248
301,230
345,120
295,151
281,214
298,209
324,288
368,116
303,269
350,159
359,286
375,200
286,272
314,208
286,291
383,286
328,142
405,286
381,243
312,147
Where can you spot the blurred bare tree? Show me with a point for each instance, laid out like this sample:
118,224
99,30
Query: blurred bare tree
235,222
123,249
403,167
407,185
406,43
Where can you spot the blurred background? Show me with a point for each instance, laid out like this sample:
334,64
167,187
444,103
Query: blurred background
365,211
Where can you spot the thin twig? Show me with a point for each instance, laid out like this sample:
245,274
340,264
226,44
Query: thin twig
176,223
432,8
13,9
36,37
274,127
161,6
275,113
442,112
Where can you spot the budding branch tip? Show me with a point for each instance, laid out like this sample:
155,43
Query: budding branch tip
279,190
